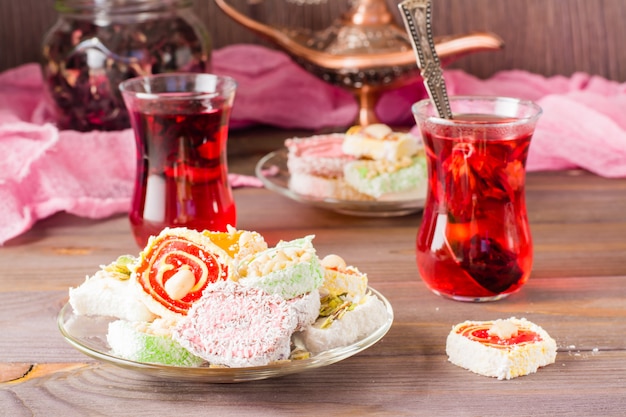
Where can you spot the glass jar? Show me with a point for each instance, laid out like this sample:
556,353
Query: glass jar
96,44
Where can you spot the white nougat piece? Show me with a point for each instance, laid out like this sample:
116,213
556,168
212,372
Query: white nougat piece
369,315
104,295
502,349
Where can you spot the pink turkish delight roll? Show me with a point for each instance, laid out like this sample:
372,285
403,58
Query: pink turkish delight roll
237,326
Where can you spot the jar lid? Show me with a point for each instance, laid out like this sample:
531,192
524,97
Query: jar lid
118,6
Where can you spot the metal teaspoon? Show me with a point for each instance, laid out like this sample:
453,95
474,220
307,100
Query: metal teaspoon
417,19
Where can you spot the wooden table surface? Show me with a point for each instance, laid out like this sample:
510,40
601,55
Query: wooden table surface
577,292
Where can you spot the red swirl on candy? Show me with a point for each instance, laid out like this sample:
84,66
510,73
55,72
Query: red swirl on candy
170,253
480,333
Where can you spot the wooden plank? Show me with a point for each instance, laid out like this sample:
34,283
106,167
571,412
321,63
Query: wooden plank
413,385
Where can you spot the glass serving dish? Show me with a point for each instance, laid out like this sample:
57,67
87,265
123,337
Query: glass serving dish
88,335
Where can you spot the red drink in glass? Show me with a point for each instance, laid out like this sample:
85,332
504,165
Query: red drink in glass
182,173
474,243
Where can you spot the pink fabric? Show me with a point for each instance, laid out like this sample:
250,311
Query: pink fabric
44,170
272,90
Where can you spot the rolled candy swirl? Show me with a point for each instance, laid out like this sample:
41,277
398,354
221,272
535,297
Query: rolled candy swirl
174,269
482,332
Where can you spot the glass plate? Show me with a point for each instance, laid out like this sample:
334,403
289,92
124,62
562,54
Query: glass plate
88,335
272,171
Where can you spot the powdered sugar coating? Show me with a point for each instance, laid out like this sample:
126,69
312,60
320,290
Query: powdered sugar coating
237,326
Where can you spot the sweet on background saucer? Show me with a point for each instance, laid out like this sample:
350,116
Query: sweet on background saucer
367,163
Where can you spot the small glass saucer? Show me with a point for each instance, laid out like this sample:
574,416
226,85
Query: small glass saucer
273,172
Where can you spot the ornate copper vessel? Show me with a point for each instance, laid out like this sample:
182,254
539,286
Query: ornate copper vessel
364,50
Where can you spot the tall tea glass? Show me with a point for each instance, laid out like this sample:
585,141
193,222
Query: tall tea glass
180,123
474,243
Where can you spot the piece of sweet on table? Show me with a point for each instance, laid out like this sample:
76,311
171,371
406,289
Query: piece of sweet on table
502,349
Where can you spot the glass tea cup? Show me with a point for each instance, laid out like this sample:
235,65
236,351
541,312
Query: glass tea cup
474,243
180,122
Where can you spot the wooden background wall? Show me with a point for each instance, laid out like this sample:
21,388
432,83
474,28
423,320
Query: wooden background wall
543,36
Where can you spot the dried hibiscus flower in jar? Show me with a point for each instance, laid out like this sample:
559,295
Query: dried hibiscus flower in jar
95,45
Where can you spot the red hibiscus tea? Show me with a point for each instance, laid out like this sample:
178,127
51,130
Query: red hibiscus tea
181,129
474,243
